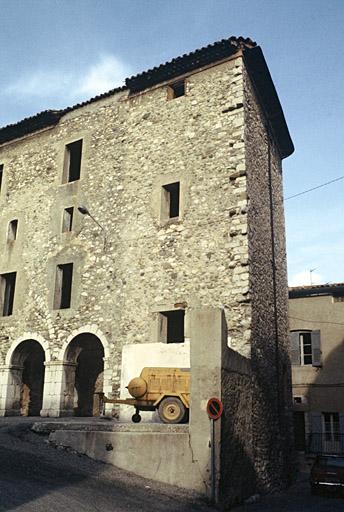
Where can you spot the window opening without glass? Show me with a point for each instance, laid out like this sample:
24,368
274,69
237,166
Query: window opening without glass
172,326
72,163
7,289
170,201
67,221
12,230
63,286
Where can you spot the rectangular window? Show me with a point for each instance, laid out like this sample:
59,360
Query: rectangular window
1,174
72,162
305,348
172,326
176,90
63,286
67,221
12,230
331,427
170,201
7,288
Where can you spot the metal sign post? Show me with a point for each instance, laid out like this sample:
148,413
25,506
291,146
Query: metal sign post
214,411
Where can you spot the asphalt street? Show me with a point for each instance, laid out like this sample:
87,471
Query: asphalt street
35,477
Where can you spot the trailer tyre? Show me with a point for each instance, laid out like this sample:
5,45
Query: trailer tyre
171,410
136,418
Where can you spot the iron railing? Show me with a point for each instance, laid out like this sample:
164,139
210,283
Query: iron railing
325,443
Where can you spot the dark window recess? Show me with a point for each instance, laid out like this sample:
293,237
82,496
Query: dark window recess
1,174
172,194
12,230
67,221
73,161
7,284
172,326
63,286
177,90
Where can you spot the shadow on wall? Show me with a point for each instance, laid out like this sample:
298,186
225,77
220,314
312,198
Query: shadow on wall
325,395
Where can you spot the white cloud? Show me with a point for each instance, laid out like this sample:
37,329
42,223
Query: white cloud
304,278
107,74
57,85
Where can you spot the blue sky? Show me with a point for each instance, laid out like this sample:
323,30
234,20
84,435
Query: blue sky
54,53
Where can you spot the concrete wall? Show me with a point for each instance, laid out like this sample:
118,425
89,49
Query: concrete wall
136,357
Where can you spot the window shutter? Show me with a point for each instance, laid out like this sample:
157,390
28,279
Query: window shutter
316,352
341,423
295,347
316,422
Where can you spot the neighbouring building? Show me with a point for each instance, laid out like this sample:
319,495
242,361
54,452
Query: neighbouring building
145,227
317,354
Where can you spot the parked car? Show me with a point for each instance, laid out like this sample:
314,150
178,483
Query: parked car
327,473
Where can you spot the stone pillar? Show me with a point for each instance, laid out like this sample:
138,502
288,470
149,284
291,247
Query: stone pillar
207,338
10,390
58,394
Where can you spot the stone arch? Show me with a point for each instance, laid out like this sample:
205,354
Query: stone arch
24,390
28,336
91,329
83,362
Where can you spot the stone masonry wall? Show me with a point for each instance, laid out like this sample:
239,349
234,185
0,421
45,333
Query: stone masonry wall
269,345
131,147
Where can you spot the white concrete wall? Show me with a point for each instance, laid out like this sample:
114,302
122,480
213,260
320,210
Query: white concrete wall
136,356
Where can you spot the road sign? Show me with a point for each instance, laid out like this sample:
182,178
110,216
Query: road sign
214,408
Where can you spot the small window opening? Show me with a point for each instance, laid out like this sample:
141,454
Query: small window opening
176,90
170,200
63,286
7,288
298,399
72,164
172,326
1,175
12,230
67,221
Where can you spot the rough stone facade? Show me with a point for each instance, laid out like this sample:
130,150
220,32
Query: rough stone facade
225,249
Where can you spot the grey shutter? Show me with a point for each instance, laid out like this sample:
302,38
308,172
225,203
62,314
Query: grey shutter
295,347
316,352
316,422
341,423
316,430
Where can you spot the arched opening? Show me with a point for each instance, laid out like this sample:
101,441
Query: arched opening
84,374
27,371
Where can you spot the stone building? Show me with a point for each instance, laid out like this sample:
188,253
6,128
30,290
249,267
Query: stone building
317,354
126,216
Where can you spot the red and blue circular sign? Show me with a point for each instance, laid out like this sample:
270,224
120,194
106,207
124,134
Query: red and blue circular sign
214,408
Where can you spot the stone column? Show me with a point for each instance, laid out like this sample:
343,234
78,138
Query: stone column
10,390
207,337
58,394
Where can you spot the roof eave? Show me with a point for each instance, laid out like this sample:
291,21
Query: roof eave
266,91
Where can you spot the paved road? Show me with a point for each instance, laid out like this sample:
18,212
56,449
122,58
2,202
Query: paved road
296,499
34,477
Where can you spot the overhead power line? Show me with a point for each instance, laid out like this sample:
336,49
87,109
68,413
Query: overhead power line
315,188
311,320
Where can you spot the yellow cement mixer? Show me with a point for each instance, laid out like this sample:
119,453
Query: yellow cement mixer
164,389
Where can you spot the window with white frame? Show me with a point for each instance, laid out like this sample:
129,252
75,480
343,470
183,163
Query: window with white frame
331,427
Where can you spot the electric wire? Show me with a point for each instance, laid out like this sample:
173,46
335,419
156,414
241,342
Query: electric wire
315,188
315,321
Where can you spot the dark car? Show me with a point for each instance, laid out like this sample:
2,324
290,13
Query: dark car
327,473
